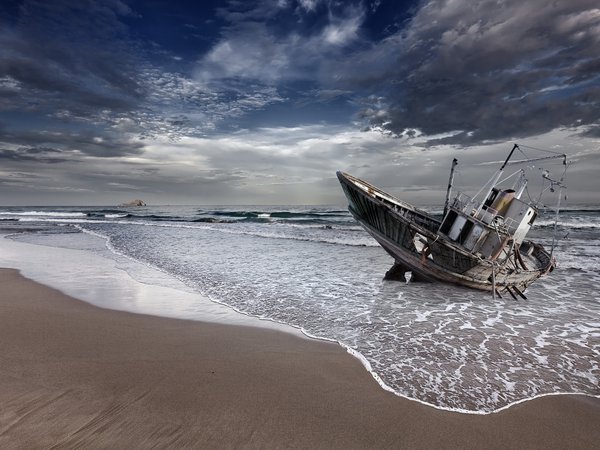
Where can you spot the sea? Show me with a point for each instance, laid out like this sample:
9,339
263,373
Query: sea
315,269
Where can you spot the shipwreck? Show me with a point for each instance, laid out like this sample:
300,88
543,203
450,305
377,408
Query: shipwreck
480,242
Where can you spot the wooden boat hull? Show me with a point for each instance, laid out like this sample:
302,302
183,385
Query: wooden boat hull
411,237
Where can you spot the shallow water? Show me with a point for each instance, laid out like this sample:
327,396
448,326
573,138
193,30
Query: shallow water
314,268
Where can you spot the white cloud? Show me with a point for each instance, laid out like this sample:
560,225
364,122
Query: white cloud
279,165
250,50
253,55
308,5
342,31
8,83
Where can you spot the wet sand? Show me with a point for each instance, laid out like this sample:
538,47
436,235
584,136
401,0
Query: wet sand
74,375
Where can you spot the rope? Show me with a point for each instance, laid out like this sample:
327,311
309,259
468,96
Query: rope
560,194
540,150
493,281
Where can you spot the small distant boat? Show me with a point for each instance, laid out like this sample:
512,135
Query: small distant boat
477,244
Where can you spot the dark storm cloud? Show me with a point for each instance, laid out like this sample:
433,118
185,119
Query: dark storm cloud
68,74
484,70
76,70
56,55
76,144
253,98
38,154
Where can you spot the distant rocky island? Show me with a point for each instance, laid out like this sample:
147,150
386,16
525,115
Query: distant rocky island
135,202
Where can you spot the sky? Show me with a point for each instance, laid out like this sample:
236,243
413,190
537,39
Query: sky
259,102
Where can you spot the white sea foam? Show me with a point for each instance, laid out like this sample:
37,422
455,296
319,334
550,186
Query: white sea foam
352,236
81,269
449,347
573,223
440,350
37,214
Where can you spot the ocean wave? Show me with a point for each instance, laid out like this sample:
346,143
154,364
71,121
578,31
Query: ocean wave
211,220
115,216
309,217
353,238
108,213
452,348
156,217
291,231
449,347
311,214
42,213
564,224
591,209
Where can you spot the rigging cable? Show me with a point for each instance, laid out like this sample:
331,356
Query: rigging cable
560,194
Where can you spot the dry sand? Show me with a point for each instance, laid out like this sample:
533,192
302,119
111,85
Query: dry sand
73,375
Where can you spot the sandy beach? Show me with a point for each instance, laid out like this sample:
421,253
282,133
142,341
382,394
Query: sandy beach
74,375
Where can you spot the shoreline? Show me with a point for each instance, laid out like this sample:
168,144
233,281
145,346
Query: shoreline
92,289
75,374
134,285
467,412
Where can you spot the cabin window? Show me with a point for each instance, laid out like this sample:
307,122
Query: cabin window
465,231
532,218
450,218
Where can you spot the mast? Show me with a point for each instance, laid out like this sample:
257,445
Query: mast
508,157
450,183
